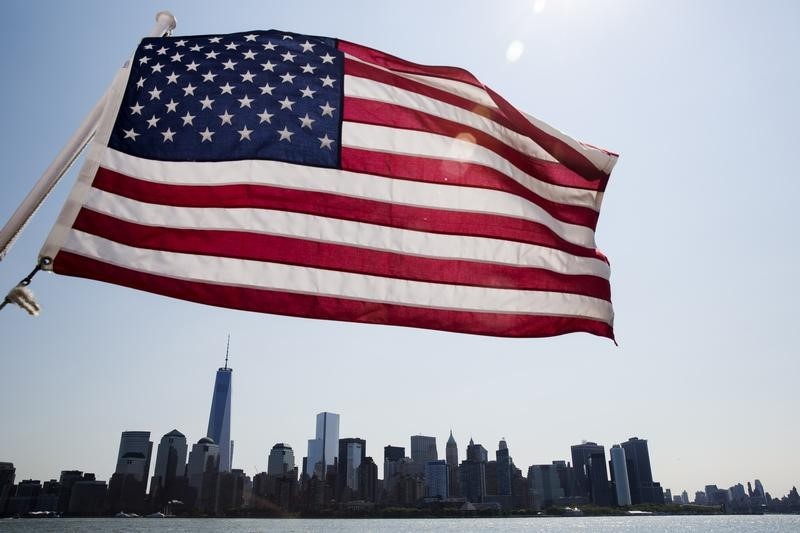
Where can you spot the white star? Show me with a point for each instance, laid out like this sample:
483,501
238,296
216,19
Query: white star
140,83
327,110
171,106
143,60
267,89
192,66
250,37
189,90
288,56
196,48
225,118
206,135
137,109
269,65
152,122
268,46
162,51
308,69
285,134
288,78
307,92
231,46
180,43
212,54
245,102
248,77
265,117
215,39
187,119
206,103
229,65
227,88
286,103
245,133
209,76
249,54
155,94
130,134
168,135
148,46
157,67
305,122
327,58
307,46
325,142
327,81
289,37
176,58
172,78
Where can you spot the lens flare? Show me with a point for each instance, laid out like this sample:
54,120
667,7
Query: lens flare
514,51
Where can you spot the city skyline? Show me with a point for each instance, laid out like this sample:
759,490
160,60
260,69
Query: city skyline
207,488
698,99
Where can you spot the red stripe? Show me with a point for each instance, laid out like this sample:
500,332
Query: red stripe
562,151
555,173
312,306
457,173
336,206
401,65
344,258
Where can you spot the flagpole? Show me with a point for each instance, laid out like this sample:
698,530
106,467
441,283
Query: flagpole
165,23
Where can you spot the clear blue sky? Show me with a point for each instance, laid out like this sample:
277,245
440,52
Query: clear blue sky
699,222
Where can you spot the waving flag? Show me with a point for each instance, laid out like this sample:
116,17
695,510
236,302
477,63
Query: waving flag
306,176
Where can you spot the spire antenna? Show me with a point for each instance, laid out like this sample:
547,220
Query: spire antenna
227,349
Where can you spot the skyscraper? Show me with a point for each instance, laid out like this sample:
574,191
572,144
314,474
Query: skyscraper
472,473
202,472
127,486
134,453
451,454
170,465
323,450
503,469
580,464
351,454
643,489
544,485
219,419
437,479
619,475
423,449
281,460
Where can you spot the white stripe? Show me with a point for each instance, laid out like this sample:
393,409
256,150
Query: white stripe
381,92
352,184
419,143
360,234
304,280
458,88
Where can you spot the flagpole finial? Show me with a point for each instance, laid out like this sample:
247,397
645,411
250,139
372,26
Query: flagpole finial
165,21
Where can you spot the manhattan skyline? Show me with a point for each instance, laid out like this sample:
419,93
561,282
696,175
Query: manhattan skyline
698,100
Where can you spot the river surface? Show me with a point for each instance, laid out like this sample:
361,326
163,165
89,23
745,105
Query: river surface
632,524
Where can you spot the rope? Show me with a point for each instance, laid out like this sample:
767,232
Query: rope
22,295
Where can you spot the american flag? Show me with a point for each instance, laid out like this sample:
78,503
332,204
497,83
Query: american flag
306,176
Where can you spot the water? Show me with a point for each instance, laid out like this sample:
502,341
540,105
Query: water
633,524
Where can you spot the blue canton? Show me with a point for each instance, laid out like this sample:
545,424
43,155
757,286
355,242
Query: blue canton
257,95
